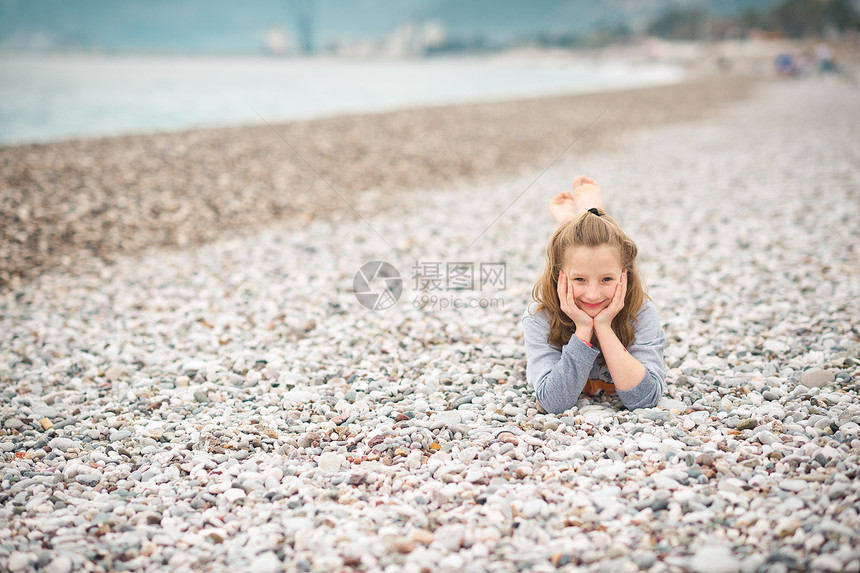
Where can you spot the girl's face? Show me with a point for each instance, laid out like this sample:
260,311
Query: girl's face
594,273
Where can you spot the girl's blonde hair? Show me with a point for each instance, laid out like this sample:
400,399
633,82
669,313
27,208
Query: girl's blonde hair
593,228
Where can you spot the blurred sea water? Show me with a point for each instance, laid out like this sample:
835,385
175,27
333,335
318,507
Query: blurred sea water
54,97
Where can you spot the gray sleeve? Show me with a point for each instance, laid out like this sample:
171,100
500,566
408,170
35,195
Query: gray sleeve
647,348
557,375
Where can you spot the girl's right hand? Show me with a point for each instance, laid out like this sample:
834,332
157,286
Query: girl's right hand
584,323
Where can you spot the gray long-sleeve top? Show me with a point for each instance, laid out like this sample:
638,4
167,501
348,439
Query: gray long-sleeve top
558,375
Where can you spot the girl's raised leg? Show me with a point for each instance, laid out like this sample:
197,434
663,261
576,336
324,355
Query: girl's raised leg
562,207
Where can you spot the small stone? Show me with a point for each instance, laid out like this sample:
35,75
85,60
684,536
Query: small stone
731,485
403,545
767,438
468,454
62,444
817,378
714,559
827,563
119,435
465,399
215,536
200,396
659,505
512,411
475,475
234,493
794,485
655,415
266,562
423,536
524,471
89,480
330,462
114,373
533,508
46,424
786,527
782,557
747,424
13,424
706,460
724,468
775,346
413,460
194,365
62,564
644,559
19,561
670,404
609,471
66,422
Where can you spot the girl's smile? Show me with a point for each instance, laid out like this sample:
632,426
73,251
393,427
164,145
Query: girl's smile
594,273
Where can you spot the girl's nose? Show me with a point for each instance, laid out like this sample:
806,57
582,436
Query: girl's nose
593,293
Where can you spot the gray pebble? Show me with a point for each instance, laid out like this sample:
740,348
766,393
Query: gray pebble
770,395
119,435
89,480
817,378
63,444
655,415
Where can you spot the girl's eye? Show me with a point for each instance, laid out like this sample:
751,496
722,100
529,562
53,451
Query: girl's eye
579,279
607,279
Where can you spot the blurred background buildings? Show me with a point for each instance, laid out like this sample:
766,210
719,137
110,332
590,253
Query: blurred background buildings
406,28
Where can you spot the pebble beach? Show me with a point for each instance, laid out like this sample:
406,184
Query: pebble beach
214,397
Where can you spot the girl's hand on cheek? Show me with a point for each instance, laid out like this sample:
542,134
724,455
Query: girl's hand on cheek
615,305
583,322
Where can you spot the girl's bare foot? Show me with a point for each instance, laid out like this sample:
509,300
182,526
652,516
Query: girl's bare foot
586,194
562,207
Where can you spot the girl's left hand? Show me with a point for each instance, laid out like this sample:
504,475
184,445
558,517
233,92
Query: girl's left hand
615,305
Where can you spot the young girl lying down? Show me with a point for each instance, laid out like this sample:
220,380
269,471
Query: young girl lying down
592,328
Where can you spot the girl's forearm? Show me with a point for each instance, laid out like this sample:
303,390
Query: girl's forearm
625,370
584,333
